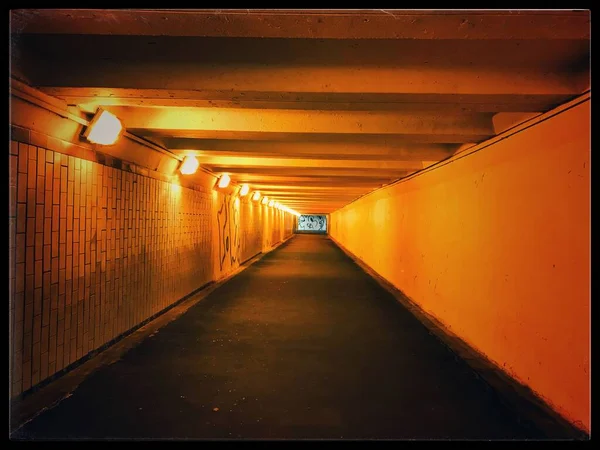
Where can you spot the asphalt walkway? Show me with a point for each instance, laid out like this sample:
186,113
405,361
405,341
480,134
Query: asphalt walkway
302,344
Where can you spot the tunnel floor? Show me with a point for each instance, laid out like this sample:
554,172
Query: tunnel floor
301,345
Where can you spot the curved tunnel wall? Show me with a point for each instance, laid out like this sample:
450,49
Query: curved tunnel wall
496,245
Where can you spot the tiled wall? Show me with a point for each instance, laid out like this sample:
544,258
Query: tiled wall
95,250
286,225
276,226
244,228
251,236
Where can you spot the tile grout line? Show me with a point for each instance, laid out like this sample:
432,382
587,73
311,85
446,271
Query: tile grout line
50,395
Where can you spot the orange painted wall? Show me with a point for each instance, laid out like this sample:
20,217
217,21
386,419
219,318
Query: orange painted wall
496,245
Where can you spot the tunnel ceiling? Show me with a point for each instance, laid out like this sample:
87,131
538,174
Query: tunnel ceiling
313,108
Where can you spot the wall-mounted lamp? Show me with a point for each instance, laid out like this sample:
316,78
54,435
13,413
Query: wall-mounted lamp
244,190
271,203
255,196
265,200
189,165
104,128
224,181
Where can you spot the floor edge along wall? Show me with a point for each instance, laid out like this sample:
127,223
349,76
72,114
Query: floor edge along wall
494,243
54,389
516,396
103,239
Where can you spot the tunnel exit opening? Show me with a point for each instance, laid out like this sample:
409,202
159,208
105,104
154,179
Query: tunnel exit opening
312,223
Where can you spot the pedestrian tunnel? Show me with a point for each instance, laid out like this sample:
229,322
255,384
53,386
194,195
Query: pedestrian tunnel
312,223
299,224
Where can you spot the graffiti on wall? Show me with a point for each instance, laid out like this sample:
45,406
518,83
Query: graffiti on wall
228,218
312,223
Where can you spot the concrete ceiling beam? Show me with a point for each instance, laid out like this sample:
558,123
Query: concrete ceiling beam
504,121
310,172
367,156
165,80
199,121
461,137
299,179
299,189
301,149
313,24
89,102
251,162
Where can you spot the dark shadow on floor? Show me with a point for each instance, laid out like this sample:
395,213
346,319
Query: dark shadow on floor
301,345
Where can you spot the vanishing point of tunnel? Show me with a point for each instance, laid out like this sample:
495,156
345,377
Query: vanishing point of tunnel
299,224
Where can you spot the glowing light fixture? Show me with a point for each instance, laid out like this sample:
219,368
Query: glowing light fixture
256,196
189,165
104,128
271,203
244,190
265,200
224,181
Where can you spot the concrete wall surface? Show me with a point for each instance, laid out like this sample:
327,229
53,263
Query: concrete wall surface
496,245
